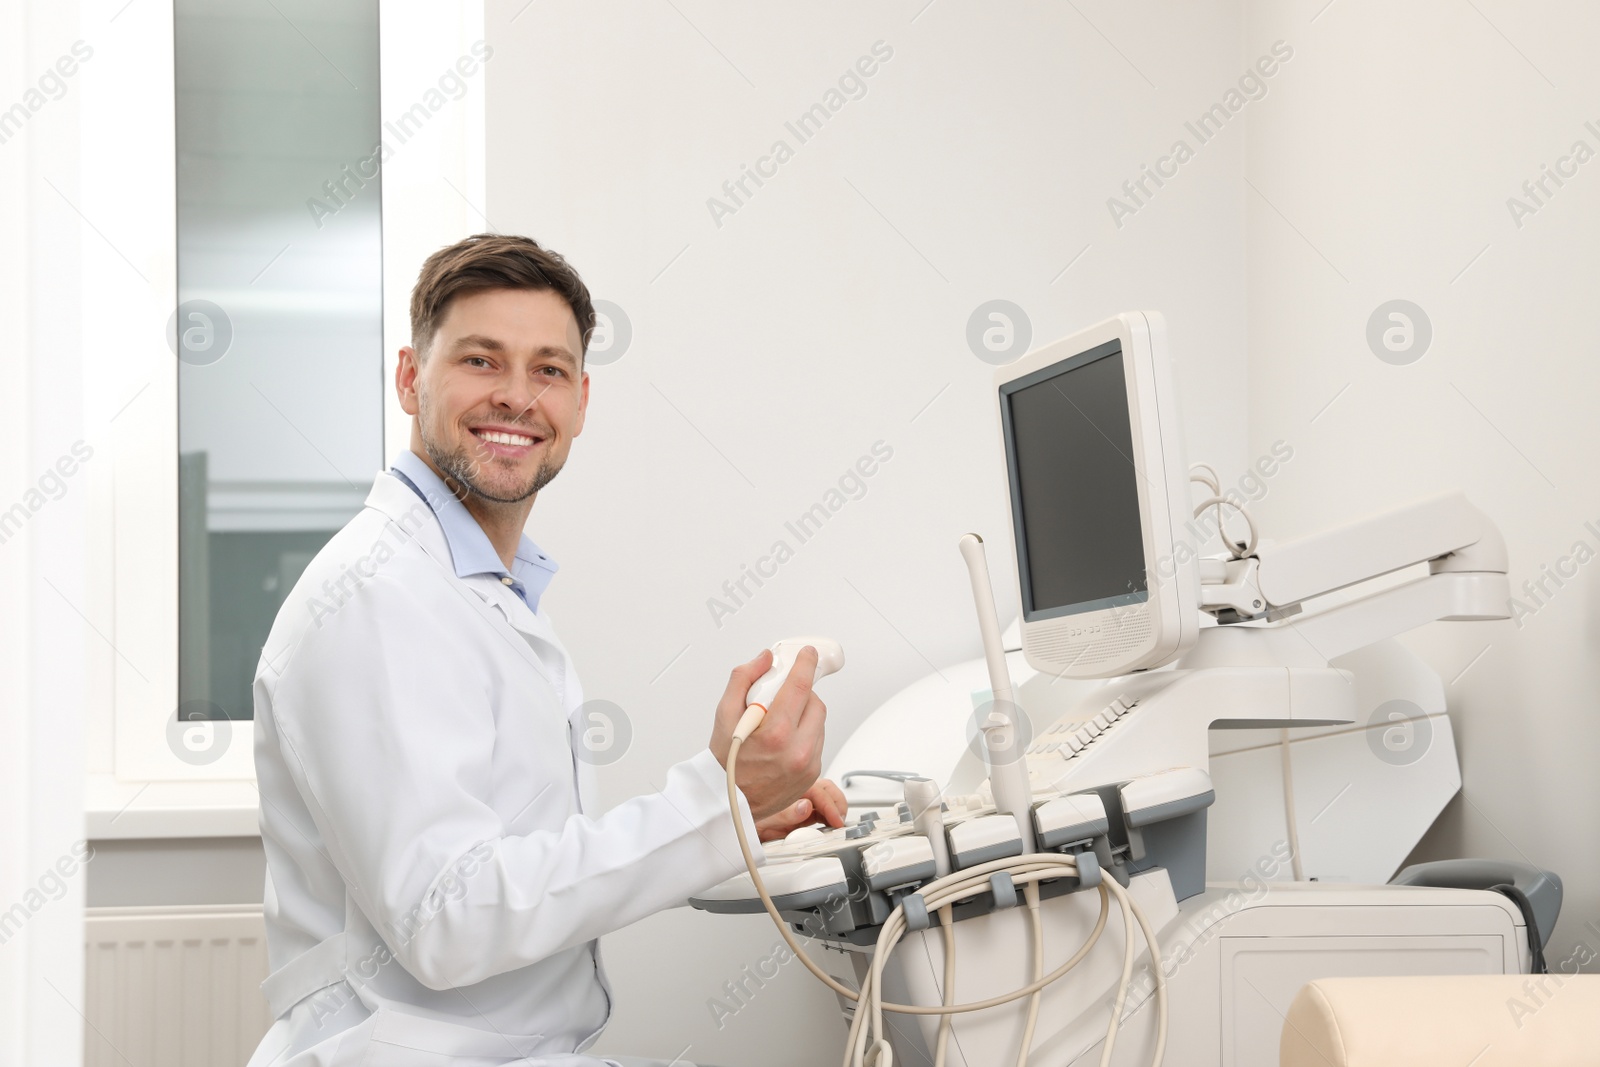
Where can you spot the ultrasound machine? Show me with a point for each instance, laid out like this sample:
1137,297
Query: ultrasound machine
1178,791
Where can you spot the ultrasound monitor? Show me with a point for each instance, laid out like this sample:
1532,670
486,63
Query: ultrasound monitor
1099,492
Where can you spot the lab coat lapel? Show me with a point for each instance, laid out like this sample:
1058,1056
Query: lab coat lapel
533,629
402,506
555,666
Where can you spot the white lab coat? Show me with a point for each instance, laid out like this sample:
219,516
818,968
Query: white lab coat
436,875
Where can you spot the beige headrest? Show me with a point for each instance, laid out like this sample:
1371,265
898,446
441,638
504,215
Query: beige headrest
1510,1020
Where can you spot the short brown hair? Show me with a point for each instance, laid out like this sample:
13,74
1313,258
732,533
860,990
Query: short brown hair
493,261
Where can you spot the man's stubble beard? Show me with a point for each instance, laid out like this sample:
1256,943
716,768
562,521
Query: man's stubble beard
462,468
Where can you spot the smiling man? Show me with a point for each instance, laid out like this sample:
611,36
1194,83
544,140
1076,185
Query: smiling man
437,873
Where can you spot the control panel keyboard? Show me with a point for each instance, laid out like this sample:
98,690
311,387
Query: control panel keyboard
1050,752
1047,758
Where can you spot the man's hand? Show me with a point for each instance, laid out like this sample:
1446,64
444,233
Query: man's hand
823,802
783,759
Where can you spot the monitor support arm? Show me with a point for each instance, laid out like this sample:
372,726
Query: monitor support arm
1466,580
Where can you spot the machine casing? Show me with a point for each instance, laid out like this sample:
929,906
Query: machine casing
1234,958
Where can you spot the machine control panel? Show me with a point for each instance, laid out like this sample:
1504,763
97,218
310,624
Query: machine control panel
849,873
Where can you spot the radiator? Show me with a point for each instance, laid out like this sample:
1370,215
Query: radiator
174,986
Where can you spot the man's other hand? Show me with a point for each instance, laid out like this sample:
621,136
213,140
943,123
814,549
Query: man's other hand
823,802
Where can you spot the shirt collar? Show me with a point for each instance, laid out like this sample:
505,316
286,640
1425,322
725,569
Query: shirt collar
471,552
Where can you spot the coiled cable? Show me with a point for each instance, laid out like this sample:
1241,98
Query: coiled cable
940,896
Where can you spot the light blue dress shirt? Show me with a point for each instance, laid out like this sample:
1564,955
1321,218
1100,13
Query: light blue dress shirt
470,549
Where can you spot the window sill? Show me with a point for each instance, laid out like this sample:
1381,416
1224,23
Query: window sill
118,810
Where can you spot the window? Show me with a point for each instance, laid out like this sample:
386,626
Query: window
279,325
218,172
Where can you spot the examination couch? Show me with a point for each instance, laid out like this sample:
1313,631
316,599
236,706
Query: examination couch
1486,1020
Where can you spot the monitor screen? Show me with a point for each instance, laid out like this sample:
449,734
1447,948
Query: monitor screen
1074,489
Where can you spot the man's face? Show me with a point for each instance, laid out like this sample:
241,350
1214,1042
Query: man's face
501,392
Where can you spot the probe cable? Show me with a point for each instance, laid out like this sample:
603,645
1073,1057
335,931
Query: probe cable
1206,475
940,896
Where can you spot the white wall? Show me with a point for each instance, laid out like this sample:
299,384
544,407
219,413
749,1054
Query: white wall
827,313
45,258
1383,172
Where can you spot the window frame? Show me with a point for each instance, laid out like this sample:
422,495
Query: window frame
433,194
